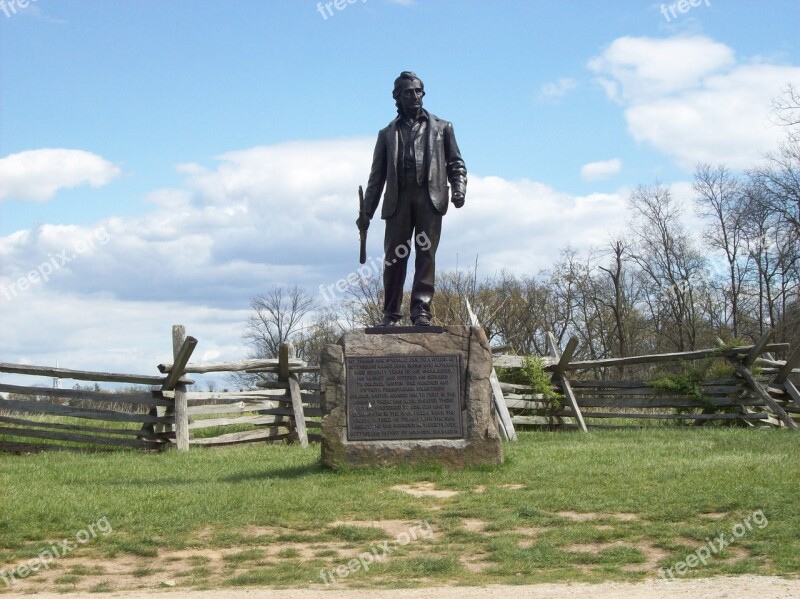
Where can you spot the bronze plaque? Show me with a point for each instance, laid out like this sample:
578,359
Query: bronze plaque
403,397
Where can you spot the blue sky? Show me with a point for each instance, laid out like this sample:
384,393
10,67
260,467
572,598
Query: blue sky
216,146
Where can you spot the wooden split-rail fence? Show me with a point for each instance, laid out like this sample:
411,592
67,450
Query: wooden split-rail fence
35,418
284,407
759,390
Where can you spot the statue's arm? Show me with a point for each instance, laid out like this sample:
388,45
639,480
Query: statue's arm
456,169
377,176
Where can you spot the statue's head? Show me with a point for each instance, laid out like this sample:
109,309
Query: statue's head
408,93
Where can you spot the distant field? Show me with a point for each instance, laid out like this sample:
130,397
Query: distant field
611,505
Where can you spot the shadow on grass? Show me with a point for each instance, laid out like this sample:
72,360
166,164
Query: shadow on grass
289,473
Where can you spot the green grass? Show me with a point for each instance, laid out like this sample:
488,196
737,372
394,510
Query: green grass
667,479
248,555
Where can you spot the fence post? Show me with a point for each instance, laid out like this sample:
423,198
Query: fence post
560,372
181,404
782,378
286,353
743,369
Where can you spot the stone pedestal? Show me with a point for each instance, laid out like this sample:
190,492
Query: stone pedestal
415,398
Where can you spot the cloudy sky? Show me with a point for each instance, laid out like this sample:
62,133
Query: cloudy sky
164,161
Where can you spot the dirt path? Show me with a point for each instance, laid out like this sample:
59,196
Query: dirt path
741,587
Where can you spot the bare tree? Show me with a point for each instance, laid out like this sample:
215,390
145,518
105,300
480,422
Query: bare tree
277,316
775,250
780,178
512,323
620,301
362,305
720,198
779,181
786,112
455,286
671,267
325,328
452,288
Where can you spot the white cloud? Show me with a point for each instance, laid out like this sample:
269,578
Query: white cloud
637,68
280,214
689,98
594,171
521,225
38,174
556,89
102,333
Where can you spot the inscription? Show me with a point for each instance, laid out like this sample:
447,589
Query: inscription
403,397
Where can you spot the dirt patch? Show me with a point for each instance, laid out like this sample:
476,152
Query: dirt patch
532,531
625,516
85,577
176,568
424,489
735,554
513,487
713,515
205,533
474,525
588,516
531,536
653,554
579,517
263,531
474,563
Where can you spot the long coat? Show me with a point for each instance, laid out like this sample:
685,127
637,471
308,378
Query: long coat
442,163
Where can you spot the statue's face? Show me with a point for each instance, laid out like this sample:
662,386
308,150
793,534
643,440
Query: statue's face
411,93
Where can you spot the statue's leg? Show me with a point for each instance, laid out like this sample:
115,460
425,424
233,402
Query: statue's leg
427,230
399,228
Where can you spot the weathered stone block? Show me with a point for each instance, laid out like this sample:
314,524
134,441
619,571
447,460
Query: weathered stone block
480,443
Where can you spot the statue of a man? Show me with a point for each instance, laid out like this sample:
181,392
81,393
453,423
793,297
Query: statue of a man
415,158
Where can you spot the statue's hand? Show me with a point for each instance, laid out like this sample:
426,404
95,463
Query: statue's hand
362,223
458,199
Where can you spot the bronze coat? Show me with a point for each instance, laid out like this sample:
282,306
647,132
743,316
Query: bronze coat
442,164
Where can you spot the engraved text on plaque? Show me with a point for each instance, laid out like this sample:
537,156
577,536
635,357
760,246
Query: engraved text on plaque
403,397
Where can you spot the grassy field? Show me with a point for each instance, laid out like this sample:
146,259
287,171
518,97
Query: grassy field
565,506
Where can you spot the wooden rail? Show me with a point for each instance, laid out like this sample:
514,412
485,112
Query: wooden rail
282,409
51,419
770,398
43,419
671,357
81,375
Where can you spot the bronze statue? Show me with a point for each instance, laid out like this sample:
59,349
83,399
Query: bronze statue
415,157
